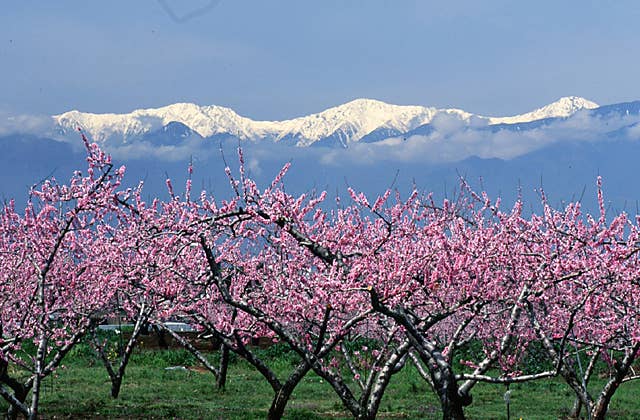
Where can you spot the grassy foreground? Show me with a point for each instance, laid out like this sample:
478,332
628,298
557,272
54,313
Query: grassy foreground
81,390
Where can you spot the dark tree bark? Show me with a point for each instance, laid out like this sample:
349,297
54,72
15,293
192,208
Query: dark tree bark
116,376
221,380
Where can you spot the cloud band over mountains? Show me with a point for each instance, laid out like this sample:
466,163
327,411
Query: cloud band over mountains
360,132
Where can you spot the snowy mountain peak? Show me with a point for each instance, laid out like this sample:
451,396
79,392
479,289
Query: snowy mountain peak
206,121
353,120
563,107
567,106
343,124
364,105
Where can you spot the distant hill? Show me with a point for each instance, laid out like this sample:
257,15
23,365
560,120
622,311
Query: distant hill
366,144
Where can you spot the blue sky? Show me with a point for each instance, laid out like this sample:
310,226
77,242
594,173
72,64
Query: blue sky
285,58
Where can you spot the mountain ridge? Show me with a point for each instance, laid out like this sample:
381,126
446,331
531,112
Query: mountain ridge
340,125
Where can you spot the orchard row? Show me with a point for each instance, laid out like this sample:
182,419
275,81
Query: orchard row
414,279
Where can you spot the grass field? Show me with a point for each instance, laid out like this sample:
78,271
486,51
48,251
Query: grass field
81,390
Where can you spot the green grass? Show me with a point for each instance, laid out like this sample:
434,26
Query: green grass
81,390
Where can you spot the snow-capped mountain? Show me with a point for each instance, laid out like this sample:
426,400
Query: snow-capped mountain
565,144
206,121
350,122
362,119
563,107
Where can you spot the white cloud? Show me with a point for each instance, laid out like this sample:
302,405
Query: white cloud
26,124
171,153
454,140
447,123
253,165
634,132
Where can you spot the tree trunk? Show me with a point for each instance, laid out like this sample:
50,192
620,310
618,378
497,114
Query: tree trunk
116,383
453,412
365,415
600,408
599,411
116,376
20,393
576,409
280,400
35,397
116,380
373,393
279,403
38,376
452,404
221,380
